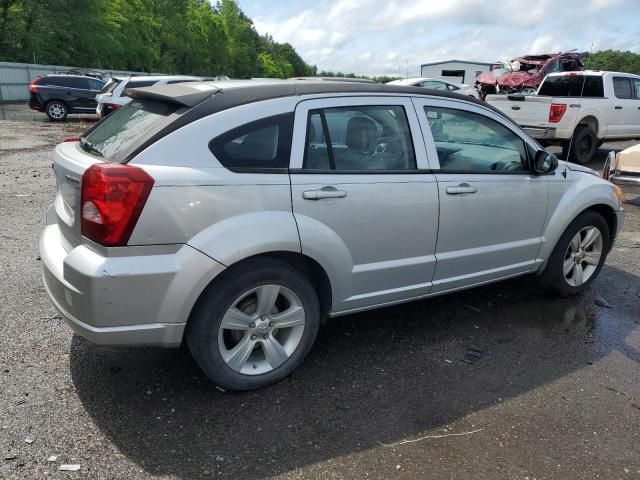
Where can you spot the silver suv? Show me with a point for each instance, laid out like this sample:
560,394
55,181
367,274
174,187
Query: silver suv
236,216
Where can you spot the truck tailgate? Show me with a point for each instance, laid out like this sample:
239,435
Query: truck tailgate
530,111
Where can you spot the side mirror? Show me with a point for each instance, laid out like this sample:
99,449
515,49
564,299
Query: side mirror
544,162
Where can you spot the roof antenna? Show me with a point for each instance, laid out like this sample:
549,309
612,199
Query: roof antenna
584,81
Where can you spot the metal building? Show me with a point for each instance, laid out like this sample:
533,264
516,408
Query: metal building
459,71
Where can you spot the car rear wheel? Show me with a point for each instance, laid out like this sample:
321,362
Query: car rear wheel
255,325
56,111
583,145
578,256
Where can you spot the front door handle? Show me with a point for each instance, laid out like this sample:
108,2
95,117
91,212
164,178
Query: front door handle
618,107
325,192
461,189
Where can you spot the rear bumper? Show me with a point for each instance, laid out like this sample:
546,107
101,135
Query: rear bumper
135,299
629,184
34,104
540,133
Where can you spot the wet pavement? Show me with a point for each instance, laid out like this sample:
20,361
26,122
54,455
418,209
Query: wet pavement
503,381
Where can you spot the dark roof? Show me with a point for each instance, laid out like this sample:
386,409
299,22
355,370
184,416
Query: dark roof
201,99
457,61
213,97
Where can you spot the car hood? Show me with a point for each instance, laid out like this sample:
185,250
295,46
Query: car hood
577,168
488,78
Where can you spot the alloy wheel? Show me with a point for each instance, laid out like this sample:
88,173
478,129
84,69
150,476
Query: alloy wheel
261,329
57,111
582,256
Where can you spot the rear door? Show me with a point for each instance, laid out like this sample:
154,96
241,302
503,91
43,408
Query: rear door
492,207
79,95
636,107
364,200
625,106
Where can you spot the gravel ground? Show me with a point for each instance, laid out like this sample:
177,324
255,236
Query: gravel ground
551,390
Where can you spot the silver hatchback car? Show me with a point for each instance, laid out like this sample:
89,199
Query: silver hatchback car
236,216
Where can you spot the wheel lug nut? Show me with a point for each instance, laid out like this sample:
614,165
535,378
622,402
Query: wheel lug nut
252,325
266,337
253,337
271,324
262,317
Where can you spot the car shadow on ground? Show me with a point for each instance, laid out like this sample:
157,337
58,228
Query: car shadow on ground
375,377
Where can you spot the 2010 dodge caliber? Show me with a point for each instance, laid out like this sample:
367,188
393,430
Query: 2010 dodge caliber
237,215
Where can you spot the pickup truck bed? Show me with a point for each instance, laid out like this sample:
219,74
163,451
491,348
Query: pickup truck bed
584,107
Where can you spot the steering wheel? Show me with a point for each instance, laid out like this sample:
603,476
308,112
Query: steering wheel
503,167
389,148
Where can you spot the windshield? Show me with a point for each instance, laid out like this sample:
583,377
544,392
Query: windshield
119,133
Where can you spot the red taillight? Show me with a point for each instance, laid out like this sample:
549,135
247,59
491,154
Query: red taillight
32,85
112,106
113,196
71,139
556,112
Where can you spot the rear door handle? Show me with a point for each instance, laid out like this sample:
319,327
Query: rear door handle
325,192
461,189
618,107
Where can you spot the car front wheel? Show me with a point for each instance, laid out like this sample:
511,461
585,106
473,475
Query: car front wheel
578,256
253,327
57,111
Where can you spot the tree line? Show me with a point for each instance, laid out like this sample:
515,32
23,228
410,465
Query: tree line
612,60
168,36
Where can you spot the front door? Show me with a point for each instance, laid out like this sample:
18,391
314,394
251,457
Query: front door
363,207
492,207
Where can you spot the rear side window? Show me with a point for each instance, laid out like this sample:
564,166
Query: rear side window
115,136
53,81
622,87
77,82
95,84
572,86
433,84
359,138
636,82
265,143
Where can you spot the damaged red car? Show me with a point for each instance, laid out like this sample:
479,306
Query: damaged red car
525,74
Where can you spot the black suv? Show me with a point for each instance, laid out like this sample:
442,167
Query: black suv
58,95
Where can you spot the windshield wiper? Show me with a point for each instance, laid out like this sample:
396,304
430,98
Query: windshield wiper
90,147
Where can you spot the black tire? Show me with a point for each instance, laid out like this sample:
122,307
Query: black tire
583,146
57,111
206,318
553,277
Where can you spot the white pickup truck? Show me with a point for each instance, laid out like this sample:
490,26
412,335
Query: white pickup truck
591,106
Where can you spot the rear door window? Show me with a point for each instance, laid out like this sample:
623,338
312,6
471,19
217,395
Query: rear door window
116,136
95,84
77,82
265,143
636,84
622,87
359,138
572,86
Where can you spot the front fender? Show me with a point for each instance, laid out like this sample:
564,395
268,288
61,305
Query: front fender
567,203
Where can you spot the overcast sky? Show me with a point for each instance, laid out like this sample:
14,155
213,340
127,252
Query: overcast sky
377,37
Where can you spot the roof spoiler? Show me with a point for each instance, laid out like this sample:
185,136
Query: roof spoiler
184,94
